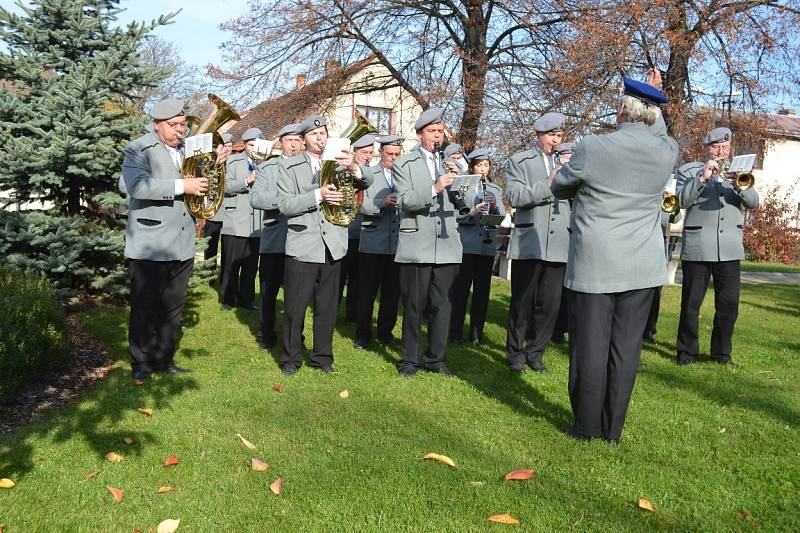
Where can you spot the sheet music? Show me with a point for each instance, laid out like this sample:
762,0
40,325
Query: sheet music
742,163
468,180
334,148
198,144
263,146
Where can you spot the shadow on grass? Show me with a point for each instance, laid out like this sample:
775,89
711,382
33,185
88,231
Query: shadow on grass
97,410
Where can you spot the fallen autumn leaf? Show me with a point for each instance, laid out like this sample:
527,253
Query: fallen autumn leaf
113,457
277,486
277,387
505,518
258,465
441,458
171,460
344,394
115,492
168,526
146,410
645,504
91,474
164,489
6,483
128,440
246,442
519,475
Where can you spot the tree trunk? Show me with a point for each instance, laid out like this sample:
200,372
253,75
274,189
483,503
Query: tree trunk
473,74
676,80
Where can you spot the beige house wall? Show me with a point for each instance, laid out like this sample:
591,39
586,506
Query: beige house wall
781,167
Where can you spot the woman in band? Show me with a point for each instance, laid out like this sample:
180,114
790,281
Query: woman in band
477,234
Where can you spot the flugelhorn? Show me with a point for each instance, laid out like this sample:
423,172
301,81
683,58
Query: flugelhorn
741,180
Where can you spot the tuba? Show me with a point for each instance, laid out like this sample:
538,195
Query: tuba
204,165
345,181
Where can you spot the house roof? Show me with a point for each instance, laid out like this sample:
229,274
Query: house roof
784,125
271,115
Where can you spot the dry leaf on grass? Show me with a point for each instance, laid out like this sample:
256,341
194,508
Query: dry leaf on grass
168,526
113,457
505,518
164,489
246,442
645,504
476,483
741,513
129,441
6,483
344,394
171,460
441,458
277,486
146,410
277,387
91,474
115,492
722,430
258,465
519,475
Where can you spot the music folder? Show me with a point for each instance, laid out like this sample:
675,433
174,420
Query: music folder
492,220
465,180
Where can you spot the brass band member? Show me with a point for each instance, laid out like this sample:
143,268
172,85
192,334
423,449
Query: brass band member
479,250
272,248
242,228
615,255
379,234
711,247
538,248
314,249
428,248
213,226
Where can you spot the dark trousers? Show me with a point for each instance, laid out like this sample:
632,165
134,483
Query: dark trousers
158,294
562,322
377,270
302,281
349,276
652,316
239,267
535,298
696,275
270,274
605,343
212,229
475,271
425,290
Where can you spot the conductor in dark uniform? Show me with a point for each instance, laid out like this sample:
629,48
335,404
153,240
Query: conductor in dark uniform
616,257
159,239
429,248
711,247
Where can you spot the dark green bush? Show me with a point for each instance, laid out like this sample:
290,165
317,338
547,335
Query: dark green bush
33,333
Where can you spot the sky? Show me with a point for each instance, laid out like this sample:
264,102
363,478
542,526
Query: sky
195,30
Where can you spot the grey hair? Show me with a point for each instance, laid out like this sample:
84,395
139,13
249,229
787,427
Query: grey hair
639,111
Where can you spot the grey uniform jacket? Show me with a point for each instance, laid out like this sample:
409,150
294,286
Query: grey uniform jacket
264,196
617,181
240,219
428,228
714,222
309,233
380,227
471,229
159,226
541,222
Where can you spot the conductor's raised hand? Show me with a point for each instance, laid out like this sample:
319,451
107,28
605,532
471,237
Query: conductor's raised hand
653,78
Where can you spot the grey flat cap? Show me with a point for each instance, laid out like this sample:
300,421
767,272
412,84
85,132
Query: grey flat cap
717,135
429,116
227,138
289,129
391,140
453,148
166,109
311,123
250,134
565,148
551,121
364,141
478,154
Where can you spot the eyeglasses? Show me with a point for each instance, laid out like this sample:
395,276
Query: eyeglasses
176,124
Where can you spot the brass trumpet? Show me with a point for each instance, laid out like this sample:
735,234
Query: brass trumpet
670,203
740,180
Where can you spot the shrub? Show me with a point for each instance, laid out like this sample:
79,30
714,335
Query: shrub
32,331
769,235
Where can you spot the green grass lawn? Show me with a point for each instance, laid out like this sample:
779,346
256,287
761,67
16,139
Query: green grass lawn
750,266
702,443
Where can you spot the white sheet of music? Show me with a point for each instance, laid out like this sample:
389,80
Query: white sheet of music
334,148
195,144
263,146
742,163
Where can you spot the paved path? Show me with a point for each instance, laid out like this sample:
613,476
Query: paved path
786,278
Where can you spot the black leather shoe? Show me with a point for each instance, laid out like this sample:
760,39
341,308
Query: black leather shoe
226,307
559,339
289,369
140,376
686,359
360,344
517,369
572,433
328,369
538,367
723,360
648,338
388,341
172,369
406,371
267,344
443,370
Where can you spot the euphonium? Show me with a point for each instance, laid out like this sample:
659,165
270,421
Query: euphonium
200,165
351,187
670,203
